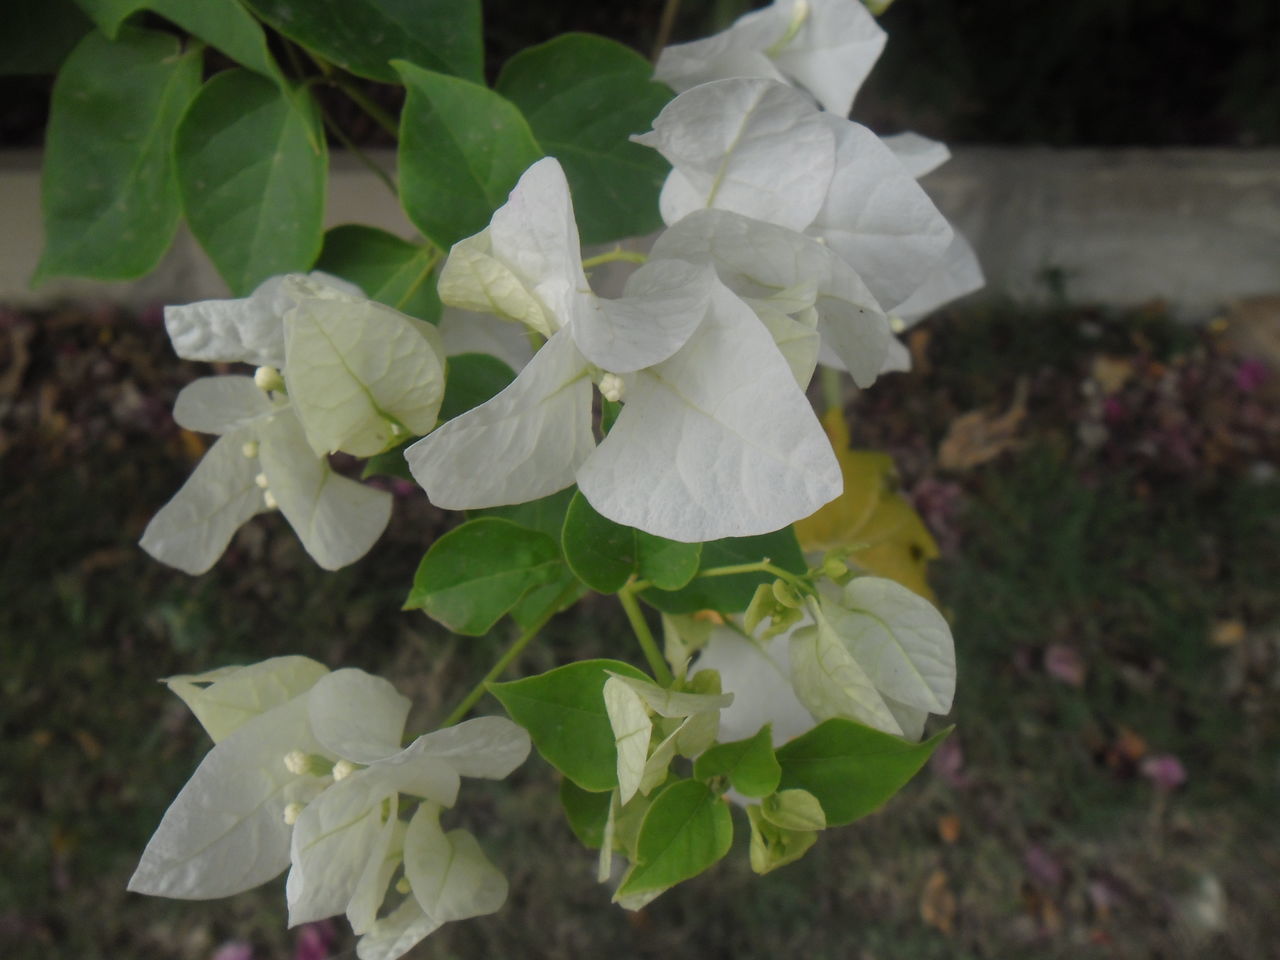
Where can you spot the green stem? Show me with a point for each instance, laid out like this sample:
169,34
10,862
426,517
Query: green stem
360,155
665,24
657,663
414,287
613,256
760,566
513,651
383,119
832,389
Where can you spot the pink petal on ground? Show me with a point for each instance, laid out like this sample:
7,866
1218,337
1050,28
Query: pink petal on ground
314,941
234,950
1064,664
1164,770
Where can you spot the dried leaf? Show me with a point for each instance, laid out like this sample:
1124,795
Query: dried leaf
1111,373
938,903
1226,633
949,828
978,436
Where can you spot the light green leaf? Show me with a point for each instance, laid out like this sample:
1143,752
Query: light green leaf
772,846
388,269
361,375
584,97
477,572
852,769
829,682
749,764
586,812
686,829
473,379
109,195
462,149
632,730
364,36
252,183
732,594
674,703
564,712
794,810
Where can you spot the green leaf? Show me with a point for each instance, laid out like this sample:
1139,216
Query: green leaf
253,186
605,554
563,710
364,36
584,97
602,553
462,149
773,846
794,809
223,24
732,594
545,515
473,378
109,196
686,830
38,35
586,812
477,572
749,764
109,14
852,770
388,269
389,463
533,605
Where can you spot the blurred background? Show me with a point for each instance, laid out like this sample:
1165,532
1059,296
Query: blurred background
1093,442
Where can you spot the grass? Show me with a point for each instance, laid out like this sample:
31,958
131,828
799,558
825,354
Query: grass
1039,837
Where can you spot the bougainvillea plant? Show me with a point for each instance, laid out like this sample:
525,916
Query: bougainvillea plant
657,446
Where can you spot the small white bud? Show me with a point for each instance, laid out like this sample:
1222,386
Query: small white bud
262,481
896,323
402,885
268,379
397,430
343,769
250,449
269,500
611,387
295,761
292,812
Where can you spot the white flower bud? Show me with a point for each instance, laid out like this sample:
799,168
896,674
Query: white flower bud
262,481
343,769
397,430
268,379
269,500
896,323
611,387
250,449
292,812
402,885
297,762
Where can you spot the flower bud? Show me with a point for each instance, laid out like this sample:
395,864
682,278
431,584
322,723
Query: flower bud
269,500
268,379
343,769
292,812
297,762
250,449
611,387
402,885
262,481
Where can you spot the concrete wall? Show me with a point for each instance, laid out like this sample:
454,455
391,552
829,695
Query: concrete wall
1197,228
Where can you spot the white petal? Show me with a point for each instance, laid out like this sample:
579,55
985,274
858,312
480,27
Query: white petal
716,442
337,519
632,729
489,747
358,369
899,639
473,279
664,303
918,154
225,832
371,886
830,683
247,330
193,529
833,51
910,719
796,341
759,677
525,443
414,770
220,404
235,695
877,217
731,53
449,874
334,840
859,336
671,703
357,716
396,934
462,331
756,147
956,274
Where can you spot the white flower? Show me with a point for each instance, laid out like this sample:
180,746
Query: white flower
872,651
715,438
826,46
282,727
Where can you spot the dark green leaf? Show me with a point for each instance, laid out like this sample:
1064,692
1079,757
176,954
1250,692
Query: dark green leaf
749,764
602,553
852,770
252,183
669,564
545,515
732,594
563,710
686,830
533,605
364,36
389,463
39,34
109,194
462,149
473,378
584,96
477,572
388,269
109,14
586,812
223,24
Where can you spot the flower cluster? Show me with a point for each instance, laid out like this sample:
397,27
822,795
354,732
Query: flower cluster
307,773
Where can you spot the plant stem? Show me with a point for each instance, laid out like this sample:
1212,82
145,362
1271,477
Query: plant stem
760,566
414,287
360,155
832,389
361,100
657,663
513,651
665,24
613,256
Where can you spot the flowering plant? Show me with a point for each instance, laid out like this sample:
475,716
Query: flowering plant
657,446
